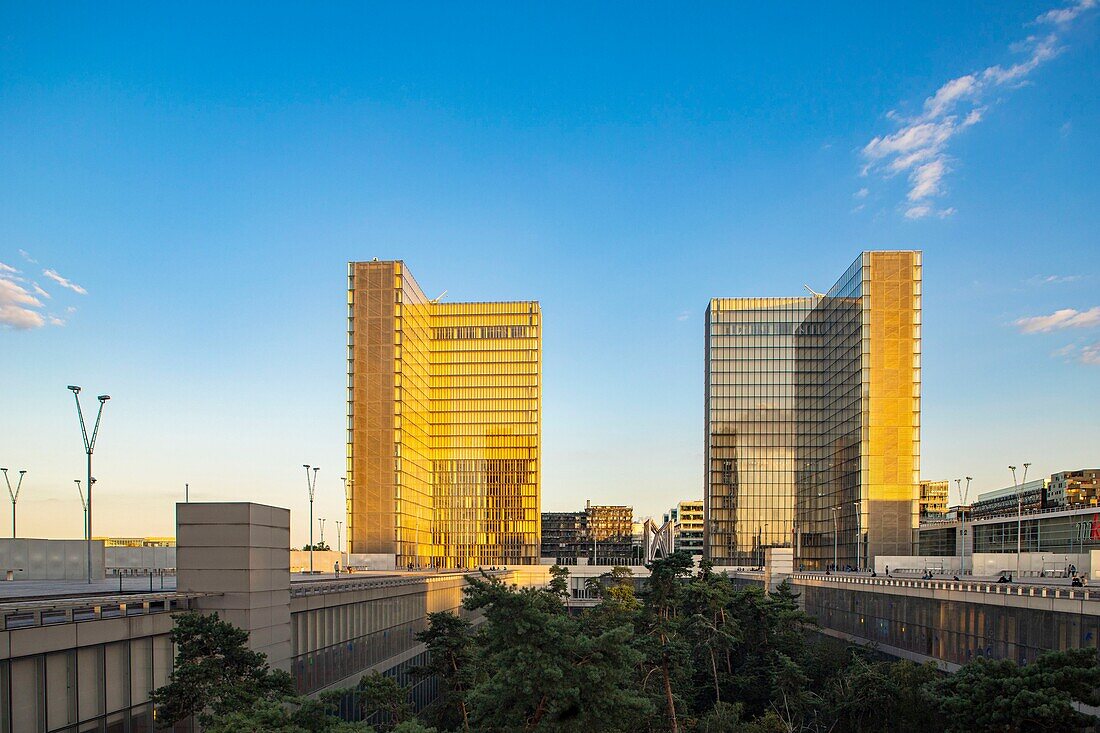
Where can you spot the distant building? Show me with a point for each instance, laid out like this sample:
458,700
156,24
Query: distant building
603,530
1027,497
137,541
563,534
1075,489
687,526
933,498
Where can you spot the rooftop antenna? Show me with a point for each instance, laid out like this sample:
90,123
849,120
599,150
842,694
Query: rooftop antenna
438,298
814,292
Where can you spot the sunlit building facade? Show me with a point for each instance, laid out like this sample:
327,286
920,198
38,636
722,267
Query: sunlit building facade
933,499
813,419
444,406
752,426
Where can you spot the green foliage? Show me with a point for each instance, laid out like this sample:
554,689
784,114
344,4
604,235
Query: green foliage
381,697
1002,696
539,669
301,716
559,581
448,640
215,673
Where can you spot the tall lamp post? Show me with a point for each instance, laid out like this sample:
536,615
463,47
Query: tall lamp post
859,538
962,520
339,547
321,521
13,494
836,531
312,486
89,447
84,504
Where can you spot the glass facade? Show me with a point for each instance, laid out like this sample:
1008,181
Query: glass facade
444,405
950,630
813,419
752,426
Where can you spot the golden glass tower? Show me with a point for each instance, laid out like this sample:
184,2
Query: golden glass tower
444,415
813,419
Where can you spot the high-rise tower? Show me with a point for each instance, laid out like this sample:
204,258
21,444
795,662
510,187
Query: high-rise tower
444,409
813,419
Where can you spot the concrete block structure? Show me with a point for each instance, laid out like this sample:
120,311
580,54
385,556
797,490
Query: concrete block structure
241,551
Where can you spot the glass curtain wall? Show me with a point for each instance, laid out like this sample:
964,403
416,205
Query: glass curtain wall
813,419
751,426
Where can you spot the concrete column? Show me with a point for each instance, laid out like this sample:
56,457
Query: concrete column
242,551
778,566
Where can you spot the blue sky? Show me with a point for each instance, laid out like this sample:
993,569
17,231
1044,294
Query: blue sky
204,174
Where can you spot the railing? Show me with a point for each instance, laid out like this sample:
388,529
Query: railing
27,614
968,586
302,588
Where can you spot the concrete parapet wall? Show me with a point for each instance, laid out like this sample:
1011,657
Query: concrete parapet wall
34,559
242,551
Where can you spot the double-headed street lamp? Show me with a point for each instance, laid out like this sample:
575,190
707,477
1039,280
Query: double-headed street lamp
312,486
962,521
13,494
89,447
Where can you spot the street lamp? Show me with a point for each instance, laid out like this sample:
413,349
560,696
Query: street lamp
836,531
962,520
339,547
321,521
89,447
312,486
84,504
14,495
859,537
347,506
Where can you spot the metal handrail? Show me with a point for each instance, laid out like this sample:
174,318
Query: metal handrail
1081,593
302,588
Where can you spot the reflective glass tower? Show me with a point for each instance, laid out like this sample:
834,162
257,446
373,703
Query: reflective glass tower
813,419
444,405
752,426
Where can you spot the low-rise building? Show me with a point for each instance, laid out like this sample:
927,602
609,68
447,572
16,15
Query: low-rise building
605,532
933,498
687,526
1073,489
1030,496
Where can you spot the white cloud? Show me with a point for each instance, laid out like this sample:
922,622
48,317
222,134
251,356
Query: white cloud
27,256
39,291
1060,319
1091,354
861,193
1054,279
684,315
7,269
55,321
921,211
17,306
1061,16
64,282
919,146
